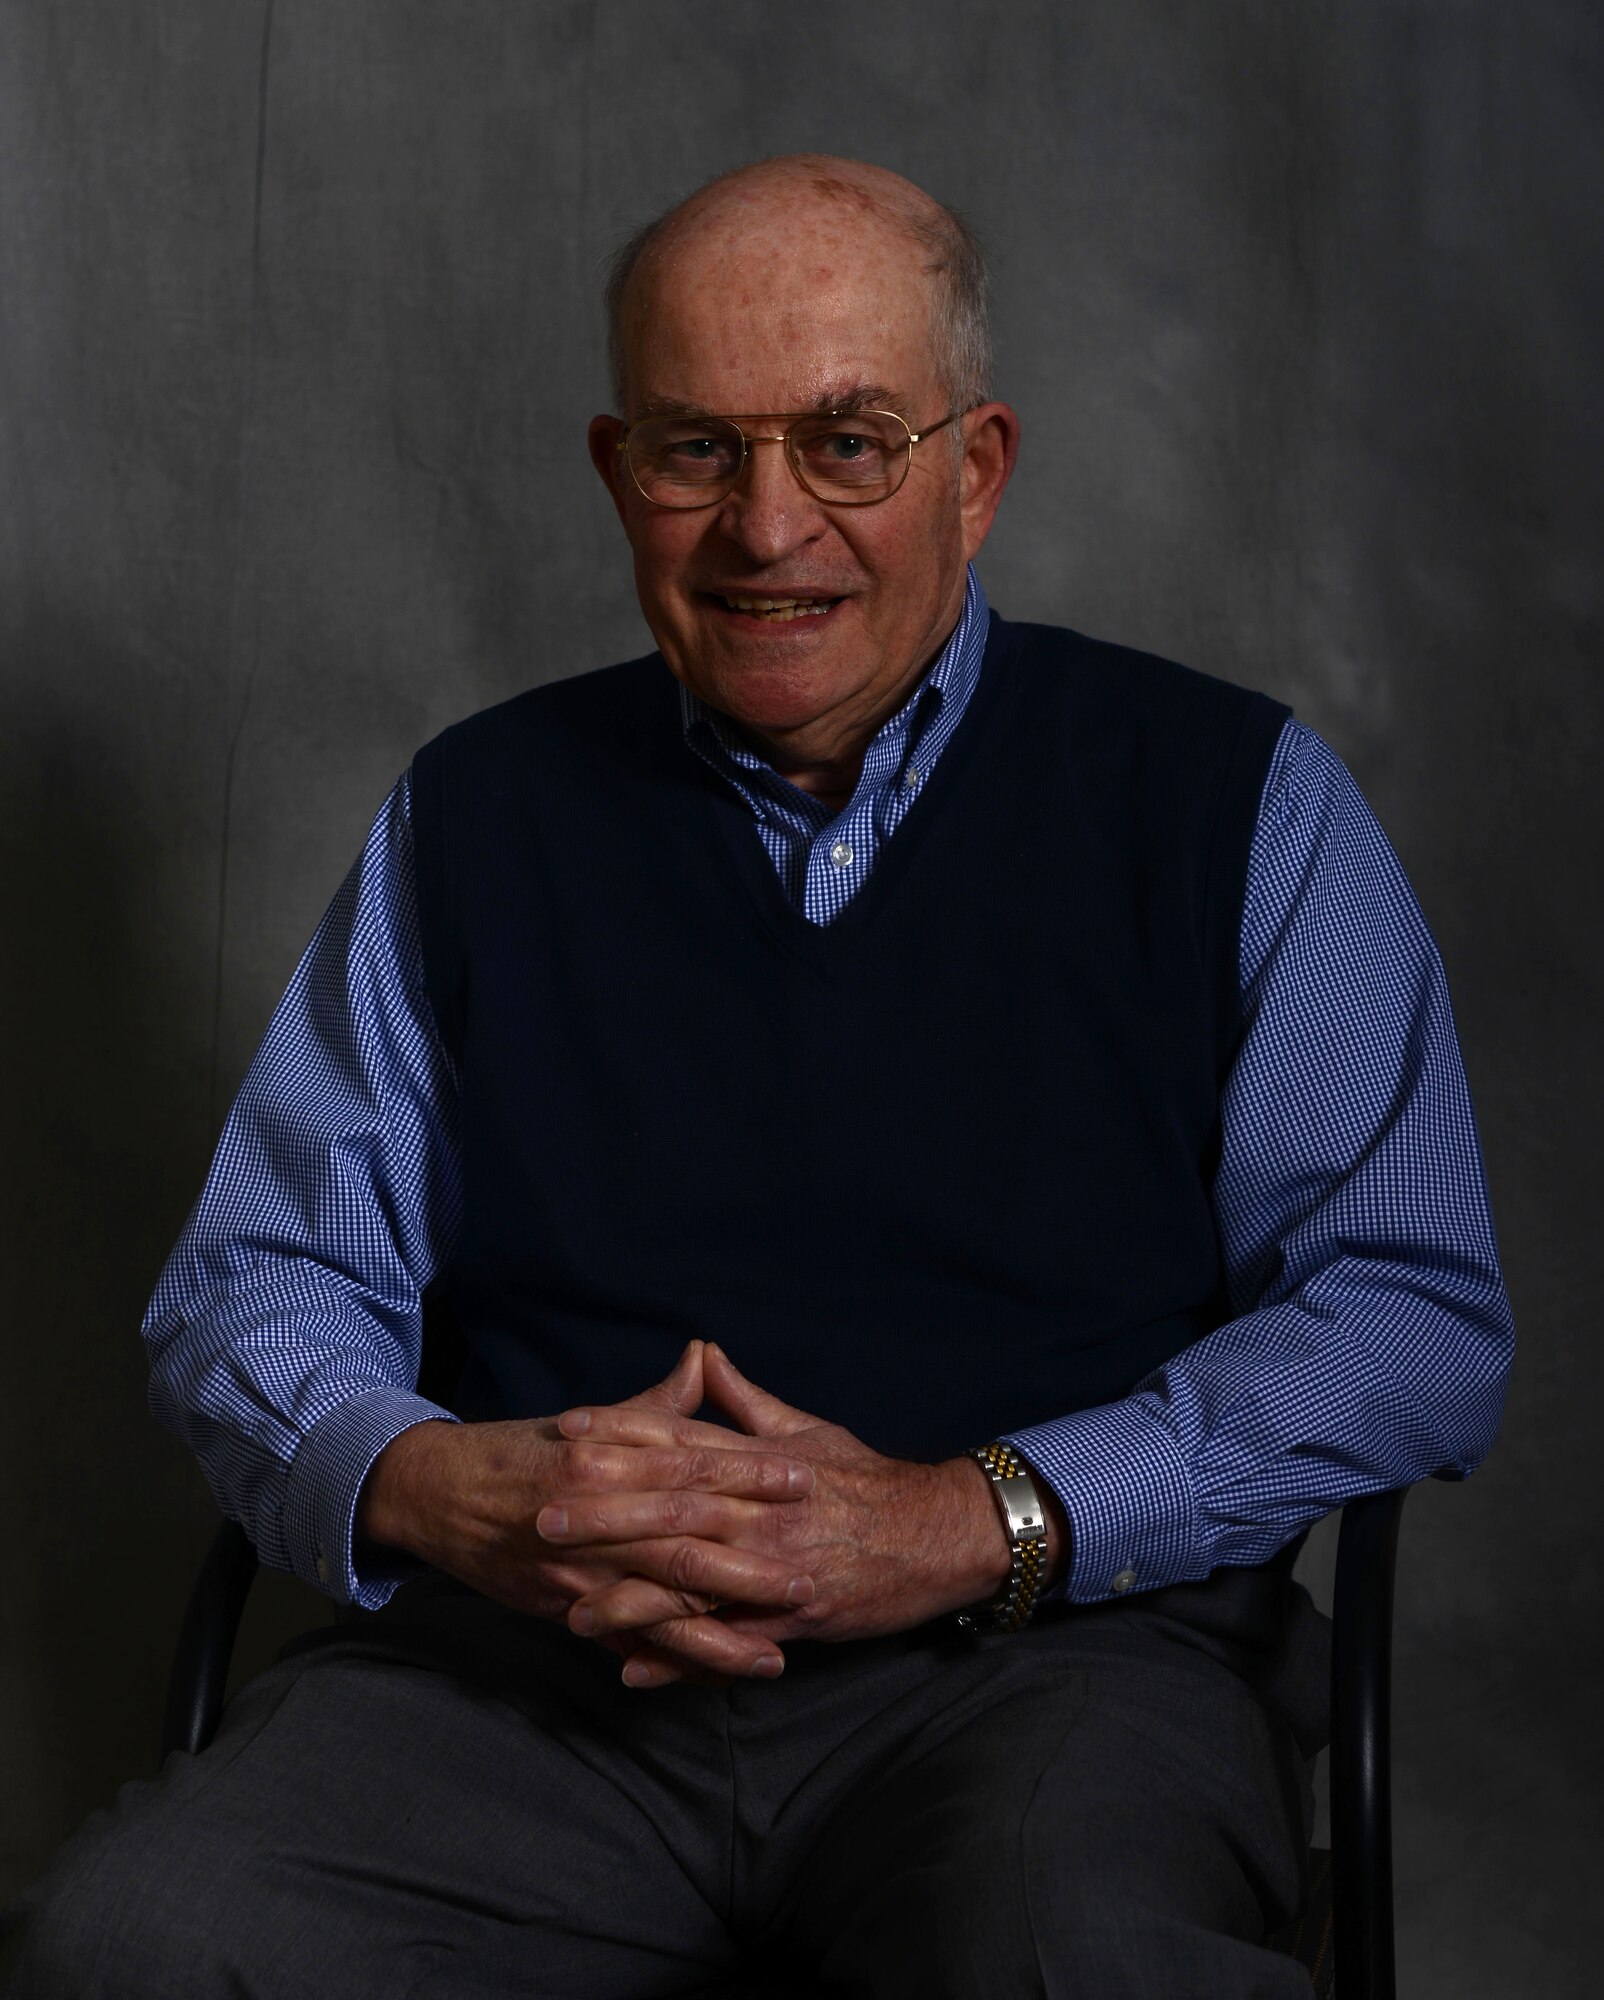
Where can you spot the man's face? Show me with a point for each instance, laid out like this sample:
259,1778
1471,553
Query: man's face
778,309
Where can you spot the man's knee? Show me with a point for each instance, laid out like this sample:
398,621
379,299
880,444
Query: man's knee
1074,1840
982,1912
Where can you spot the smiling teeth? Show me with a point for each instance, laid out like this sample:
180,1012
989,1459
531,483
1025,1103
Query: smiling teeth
777,609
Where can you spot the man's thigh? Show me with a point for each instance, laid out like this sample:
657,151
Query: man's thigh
1129,1818
366,1823
453,1802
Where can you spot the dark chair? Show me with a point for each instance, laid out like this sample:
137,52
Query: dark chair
1347,1916
1349,1910
199,1678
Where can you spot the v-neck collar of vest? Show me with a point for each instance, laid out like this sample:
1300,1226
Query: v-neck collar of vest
823,945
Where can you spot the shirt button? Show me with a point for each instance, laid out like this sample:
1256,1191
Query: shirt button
911,780
322,1567
841,854
1126,1580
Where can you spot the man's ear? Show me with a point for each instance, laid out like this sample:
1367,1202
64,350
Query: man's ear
991,444
608,459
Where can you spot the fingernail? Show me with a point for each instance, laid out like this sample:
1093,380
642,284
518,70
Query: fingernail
770,1667
799,1479
636,1674
582,1620
799,1590
575,1423
551,1521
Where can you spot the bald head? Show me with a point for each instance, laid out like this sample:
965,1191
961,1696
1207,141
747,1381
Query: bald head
797,197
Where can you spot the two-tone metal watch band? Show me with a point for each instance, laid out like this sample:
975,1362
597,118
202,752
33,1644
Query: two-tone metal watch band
1026,1526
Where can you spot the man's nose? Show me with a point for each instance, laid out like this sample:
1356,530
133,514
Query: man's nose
769,513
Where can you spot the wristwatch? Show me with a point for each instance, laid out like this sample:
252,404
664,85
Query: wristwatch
1026,1527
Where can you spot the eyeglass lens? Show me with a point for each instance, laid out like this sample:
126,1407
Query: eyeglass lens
690,461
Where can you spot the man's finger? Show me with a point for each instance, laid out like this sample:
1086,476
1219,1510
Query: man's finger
638,1423
629,1515
699,1649
662,1667
706,1569
632,1424
681,1390
649,1668
603,1461
636,1605
754,1409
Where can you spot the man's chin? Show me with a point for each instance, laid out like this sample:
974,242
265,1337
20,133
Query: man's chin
778,678
769,705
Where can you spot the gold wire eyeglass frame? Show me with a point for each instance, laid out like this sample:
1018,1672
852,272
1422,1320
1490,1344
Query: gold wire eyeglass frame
750,438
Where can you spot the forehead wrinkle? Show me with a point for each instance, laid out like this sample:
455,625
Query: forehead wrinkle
858,396
854,395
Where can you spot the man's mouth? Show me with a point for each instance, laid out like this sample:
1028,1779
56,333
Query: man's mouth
778,610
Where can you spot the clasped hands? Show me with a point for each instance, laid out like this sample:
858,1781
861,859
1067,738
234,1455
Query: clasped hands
691,1549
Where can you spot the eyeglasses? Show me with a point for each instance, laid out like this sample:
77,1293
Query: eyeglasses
849,458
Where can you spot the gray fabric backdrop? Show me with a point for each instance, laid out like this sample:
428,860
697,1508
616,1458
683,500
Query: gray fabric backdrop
298,334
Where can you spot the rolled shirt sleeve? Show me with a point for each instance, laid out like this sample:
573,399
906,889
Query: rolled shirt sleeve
1371,1334
286,1330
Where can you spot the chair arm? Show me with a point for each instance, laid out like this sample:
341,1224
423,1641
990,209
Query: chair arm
199,1679
1361,1746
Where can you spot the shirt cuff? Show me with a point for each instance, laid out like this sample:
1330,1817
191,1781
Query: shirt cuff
325,1478
1122,1482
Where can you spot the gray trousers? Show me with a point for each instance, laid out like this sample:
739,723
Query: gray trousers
445,1799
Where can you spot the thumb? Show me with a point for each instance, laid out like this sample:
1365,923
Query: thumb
681,1390
757,1412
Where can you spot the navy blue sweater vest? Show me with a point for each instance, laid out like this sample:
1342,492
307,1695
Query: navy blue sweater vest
935,1171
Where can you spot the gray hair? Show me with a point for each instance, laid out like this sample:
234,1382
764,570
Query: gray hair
956,265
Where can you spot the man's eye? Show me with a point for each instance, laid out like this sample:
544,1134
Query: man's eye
847,455
696,457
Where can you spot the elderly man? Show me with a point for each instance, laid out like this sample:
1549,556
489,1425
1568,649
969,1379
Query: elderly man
1000,1091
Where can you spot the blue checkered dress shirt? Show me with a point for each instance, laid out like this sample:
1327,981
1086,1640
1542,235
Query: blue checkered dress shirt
1370,1336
